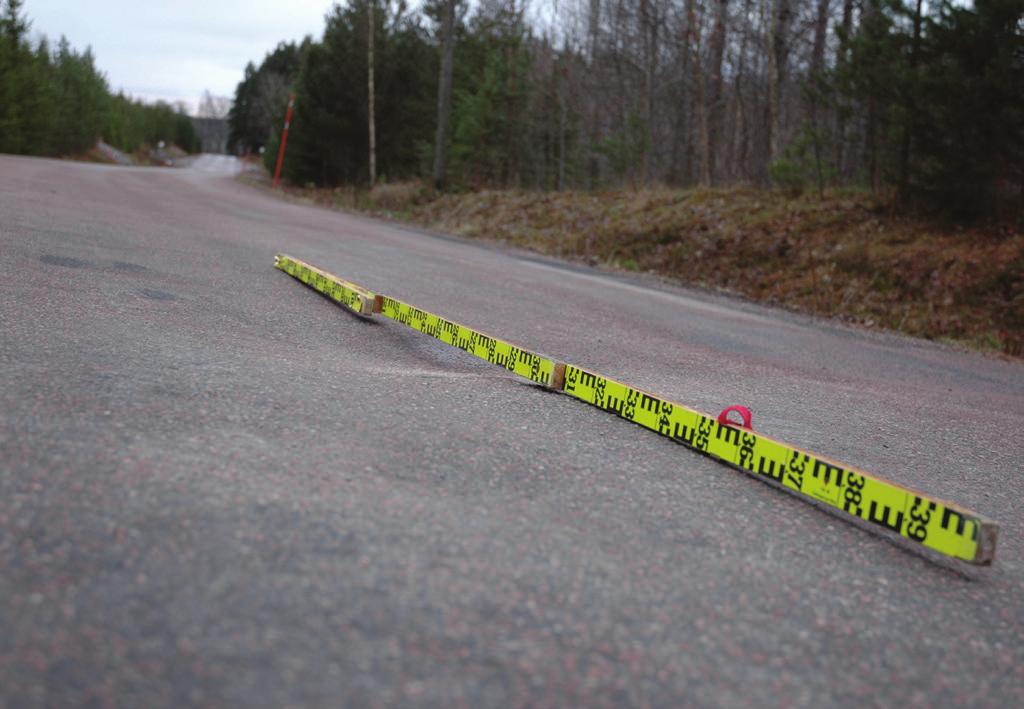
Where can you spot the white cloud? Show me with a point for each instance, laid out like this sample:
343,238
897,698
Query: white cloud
175,50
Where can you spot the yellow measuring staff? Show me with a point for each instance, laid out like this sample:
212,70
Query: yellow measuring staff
515,359
930,522
946,528
355,298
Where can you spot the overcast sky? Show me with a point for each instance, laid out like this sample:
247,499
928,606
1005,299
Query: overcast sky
174,49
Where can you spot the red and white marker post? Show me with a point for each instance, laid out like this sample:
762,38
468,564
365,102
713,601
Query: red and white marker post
284,140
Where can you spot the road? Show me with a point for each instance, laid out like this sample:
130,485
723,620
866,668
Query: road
219,489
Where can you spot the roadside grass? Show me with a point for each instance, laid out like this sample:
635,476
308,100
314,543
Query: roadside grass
847,256
93,155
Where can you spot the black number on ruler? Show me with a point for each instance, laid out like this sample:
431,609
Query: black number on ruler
703,439
664,410
629,410
853,494
571,375
920,515
796,468
746,453
444,331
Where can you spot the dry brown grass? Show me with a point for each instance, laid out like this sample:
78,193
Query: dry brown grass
397,196
845,256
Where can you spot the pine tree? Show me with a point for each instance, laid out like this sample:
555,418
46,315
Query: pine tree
15,77
970,131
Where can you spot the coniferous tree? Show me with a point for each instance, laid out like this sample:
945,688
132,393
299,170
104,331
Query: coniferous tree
59,103
262,97
969,130
328,142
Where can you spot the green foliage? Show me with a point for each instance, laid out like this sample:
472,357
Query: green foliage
803,163
83,100
944,111
261,97
328,143
132,125
24,86
490,100
511,124
625,150
970,131
511,121
789,176
271,149
59,103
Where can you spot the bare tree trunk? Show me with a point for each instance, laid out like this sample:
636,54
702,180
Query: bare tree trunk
814,89
563,110
369,81
713,110
626,101
871,144
593,28
444,93
693,35
777,59
681,138
868,23
692,45
820,33
650,24
911,112
740,138
841,57
645,41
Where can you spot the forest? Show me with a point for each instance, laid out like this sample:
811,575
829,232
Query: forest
55,102
920,101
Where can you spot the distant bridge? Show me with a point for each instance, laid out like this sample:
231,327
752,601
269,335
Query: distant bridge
212,134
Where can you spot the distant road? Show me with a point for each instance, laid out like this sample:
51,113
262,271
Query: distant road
217,164
218,489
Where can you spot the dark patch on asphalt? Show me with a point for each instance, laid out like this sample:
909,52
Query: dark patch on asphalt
127,267
154,294
65,261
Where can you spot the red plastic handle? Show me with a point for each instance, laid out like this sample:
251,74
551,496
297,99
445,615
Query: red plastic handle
742,411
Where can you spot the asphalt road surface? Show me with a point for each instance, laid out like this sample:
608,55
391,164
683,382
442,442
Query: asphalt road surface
218,488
